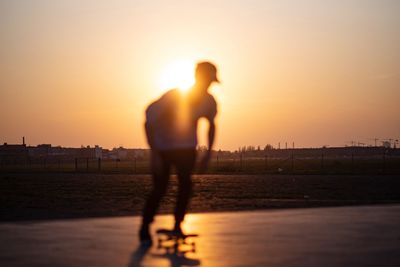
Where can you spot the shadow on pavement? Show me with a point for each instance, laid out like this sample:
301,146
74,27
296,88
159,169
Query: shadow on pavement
177,257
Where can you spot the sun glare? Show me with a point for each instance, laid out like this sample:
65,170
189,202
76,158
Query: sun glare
177,74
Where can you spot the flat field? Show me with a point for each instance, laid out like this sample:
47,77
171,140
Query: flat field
37,196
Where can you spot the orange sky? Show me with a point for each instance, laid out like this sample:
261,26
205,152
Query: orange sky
313,72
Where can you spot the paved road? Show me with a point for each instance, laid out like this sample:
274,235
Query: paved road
348,236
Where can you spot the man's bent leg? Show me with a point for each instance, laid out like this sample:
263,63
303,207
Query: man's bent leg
185,161
160,173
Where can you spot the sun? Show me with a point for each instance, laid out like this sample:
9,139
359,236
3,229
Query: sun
177,74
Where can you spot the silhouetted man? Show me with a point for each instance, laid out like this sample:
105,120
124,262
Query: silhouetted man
171,130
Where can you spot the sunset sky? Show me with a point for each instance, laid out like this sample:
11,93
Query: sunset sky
311,72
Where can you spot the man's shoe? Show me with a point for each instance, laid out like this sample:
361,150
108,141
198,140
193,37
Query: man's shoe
177,231
145,237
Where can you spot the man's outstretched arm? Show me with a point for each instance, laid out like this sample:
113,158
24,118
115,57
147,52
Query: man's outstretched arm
149,134
211,136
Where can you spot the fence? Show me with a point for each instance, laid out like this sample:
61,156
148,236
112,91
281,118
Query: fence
238,163
76,165
322,164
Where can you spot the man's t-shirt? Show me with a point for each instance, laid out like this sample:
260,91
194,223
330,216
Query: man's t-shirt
174,117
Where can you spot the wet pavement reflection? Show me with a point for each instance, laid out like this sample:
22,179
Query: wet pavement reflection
348,236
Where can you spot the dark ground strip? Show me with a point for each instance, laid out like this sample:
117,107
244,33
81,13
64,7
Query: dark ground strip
55,196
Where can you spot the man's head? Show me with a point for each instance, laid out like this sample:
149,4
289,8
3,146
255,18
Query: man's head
206,73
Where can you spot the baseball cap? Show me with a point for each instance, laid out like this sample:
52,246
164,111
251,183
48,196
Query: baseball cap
209,69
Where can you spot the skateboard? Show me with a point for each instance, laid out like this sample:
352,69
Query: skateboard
171,241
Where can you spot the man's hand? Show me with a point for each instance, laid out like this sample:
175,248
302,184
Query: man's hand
203,164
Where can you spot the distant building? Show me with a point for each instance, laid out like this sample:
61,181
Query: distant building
46,151
91,152
119,153
386,144
40,151
122,153
13,154
138,153
98,151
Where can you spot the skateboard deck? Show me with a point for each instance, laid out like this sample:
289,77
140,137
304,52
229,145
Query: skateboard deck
170,234
169,239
